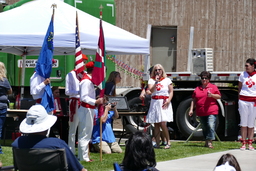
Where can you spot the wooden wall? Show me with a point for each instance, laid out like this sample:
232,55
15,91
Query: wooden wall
227,26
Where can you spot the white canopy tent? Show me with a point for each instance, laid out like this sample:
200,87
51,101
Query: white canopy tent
23,29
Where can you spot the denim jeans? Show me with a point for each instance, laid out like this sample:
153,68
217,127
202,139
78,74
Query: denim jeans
208,126
2,120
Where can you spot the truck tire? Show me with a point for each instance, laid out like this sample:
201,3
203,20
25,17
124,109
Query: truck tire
135,123
185,123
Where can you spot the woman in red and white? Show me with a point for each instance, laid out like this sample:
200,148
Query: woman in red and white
247,103
160,111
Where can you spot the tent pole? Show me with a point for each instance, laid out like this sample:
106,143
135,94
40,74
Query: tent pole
23,77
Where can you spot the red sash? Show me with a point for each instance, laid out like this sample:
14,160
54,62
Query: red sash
160,97
87,105
248,99
72,107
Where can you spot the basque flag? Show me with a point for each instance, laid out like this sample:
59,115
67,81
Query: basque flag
98,73
44,67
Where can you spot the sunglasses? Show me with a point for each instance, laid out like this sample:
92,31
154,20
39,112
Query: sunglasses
158,70
246,65
204,78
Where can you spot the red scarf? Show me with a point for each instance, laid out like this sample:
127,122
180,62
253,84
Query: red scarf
154,78
252,73
85,76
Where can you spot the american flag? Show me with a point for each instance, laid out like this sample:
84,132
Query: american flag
79,65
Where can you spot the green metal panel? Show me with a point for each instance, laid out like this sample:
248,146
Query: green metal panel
92,7
8,61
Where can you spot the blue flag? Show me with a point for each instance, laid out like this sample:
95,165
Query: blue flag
44,67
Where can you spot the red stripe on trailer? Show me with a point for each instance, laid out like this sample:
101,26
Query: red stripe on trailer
184,74
223,74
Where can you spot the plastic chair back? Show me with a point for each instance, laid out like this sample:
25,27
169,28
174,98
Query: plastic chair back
40,159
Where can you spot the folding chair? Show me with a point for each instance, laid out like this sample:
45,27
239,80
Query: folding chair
198,127
117,167
39,159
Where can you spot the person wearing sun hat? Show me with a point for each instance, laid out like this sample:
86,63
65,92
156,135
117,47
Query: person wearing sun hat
35,127
72,90
86,113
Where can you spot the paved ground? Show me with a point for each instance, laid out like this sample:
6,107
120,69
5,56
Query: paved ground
207,162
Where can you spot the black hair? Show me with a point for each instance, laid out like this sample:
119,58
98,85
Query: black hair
206,74
230,159
150,70
251,61
89,70
139,152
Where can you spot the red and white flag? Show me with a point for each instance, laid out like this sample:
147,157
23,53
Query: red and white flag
98,73
79,64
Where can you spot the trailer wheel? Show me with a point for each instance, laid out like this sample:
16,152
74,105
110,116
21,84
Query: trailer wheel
135,123
185,123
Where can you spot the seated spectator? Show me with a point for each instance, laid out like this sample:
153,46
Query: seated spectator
35,126
56,96
139,153
227,162
109,143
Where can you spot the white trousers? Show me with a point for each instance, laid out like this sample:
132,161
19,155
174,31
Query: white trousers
72,131
247,112
85,126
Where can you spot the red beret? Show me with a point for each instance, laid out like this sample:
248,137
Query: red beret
90,64
54,61
84,57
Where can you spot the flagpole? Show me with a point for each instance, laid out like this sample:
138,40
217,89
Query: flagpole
103,95
53,10
101,139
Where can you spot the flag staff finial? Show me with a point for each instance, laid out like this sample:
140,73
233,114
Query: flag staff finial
53,10
101,7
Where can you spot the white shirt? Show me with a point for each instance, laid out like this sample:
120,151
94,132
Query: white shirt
72,85
87,93
248,84
37,86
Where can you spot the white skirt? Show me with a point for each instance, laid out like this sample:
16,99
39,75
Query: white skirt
157,114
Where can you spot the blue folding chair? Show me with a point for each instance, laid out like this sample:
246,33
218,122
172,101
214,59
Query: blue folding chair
117,167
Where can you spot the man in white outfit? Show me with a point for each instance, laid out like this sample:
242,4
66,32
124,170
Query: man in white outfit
86,113
37,88
72,90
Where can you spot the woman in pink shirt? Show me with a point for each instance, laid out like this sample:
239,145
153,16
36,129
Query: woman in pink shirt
204,99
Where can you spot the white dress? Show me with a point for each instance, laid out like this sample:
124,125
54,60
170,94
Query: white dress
156,113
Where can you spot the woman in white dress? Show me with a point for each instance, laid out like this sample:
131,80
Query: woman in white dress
160,111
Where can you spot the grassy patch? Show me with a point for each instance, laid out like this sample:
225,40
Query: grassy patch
179,149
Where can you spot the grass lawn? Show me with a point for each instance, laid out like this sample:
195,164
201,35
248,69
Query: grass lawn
179,149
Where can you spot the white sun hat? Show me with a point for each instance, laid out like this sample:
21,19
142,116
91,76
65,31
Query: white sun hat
37,120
